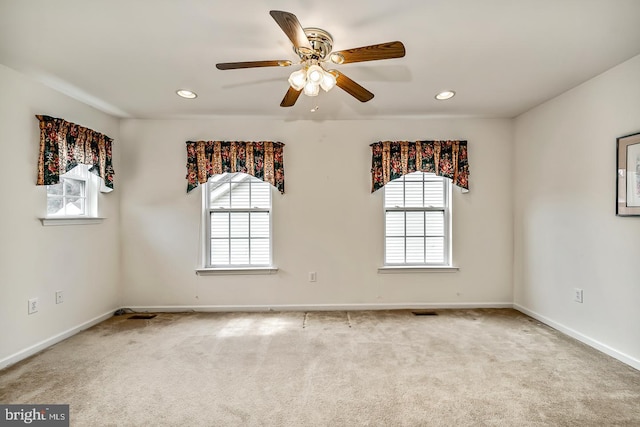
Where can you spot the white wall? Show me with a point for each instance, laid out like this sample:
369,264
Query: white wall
566,232
327,221
35,261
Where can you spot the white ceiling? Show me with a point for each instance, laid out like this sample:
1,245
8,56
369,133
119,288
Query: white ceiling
502,57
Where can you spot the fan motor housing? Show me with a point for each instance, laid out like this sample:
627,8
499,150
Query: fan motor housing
321,42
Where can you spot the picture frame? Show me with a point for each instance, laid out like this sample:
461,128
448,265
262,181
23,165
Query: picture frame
628,176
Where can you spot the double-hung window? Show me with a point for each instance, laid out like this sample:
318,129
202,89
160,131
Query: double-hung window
417,221
238,222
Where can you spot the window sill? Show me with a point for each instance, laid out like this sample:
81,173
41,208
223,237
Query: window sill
71,221
236,271
416,269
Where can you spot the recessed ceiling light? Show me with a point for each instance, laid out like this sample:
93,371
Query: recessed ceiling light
186,93
446,94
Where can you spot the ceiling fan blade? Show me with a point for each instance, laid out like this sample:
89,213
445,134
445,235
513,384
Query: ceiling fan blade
374,52
290,97
252,64
351,87
292,28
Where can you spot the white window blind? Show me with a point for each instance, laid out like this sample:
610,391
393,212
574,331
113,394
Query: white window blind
238,207
417,220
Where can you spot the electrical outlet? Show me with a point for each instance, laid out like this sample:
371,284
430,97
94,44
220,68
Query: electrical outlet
312,276
59,297
33,305
577,295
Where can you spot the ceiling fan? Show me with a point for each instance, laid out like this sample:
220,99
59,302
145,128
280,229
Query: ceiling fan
314,47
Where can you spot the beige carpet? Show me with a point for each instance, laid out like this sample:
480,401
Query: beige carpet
363,368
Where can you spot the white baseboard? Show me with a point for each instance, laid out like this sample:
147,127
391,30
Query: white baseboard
30,351
23,354
624,358
315,307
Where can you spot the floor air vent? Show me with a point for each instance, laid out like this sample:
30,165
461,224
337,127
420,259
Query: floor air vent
424,313
142,316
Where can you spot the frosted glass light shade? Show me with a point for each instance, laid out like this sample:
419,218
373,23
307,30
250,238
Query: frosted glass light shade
297,79
328,81
311,88
315,74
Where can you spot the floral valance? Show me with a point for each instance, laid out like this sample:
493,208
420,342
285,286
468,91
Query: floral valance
64,145
393,159
262,160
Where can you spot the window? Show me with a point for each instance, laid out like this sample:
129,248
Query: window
75,196
238,221
417,221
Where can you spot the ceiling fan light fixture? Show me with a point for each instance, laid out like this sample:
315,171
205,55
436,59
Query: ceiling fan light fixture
310,79
445,94
298,79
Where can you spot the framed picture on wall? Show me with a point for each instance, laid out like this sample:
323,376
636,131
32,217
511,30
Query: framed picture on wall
628,182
